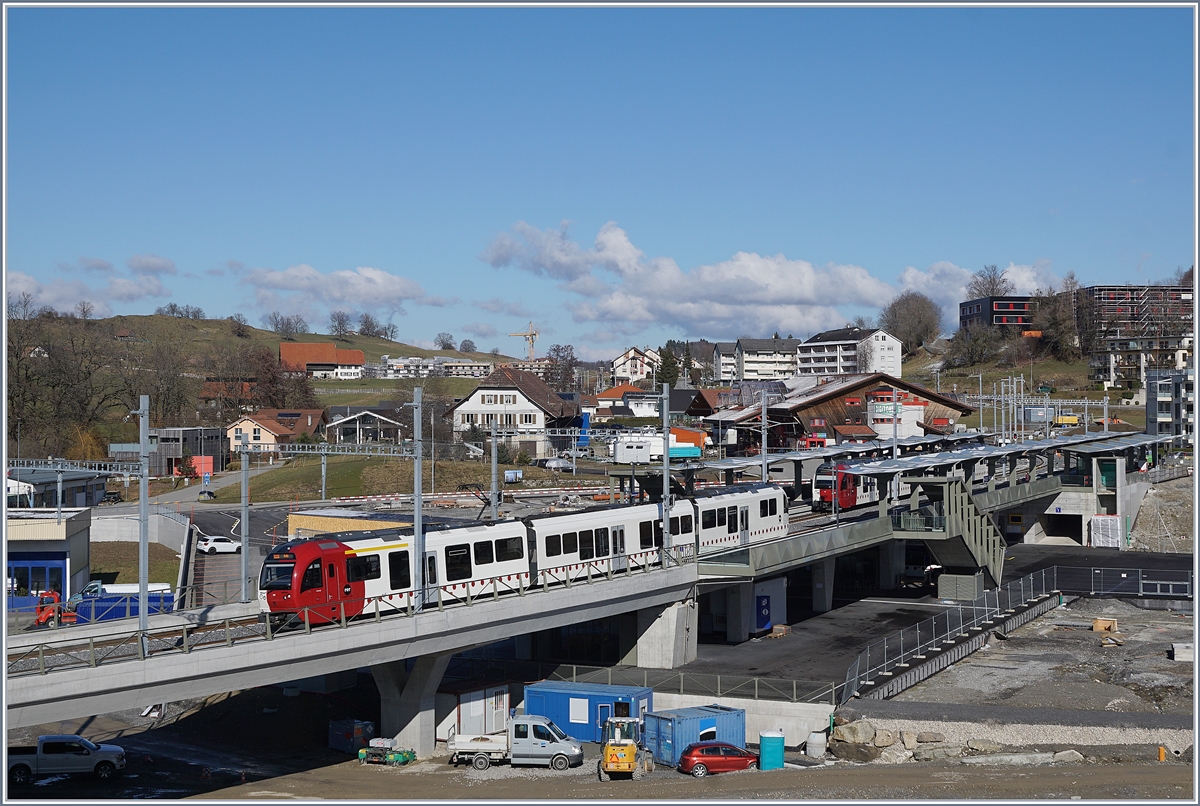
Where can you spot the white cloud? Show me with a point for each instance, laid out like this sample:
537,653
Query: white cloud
624,292
151,264
1028,279
364,288
62,295
480,329
497,305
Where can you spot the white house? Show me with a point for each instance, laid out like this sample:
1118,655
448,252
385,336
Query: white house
766,359
633,365
849,351
515,401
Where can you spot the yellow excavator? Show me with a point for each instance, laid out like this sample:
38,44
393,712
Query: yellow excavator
621,752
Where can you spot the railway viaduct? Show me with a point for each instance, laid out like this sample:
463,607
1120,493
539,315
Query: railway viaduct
101,668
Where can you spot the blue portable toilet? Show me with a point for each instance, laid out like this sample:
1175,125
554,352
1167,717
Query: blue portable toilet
668,733
580,709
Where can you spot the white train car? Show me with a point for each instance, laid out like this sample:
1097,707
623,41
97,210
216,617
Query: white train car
730,517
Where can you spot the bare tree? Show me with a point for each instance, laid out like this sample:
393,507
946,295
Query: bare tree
444,341
339,324
85,309
973,345
913,318
390,332
560,376
467,346
286,326
865,355
494,352
989,282
240,327
368,326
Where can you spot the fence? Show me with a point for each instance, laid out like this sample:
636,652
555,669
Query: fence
896,651
65,653
662,680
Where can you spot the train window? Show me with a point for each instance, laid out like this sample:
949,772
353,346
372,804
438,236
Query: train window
483,552
721,516
508,549
570,543
398,571
618,540
458,562
602,542
312,576
646,534
276,577
332,571
773,508
732,520
763,508
553,545
675,525
686,525
708,519
362,568
658,541
586,548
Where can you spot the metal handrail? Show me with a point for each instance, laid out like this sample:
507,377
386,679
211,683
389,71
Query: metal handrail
375,608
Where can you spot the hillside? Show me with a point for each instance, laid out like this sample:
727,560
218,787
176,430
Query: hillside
199,336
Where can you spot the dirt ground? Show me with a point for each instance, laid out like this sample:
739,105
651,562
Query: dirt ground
1165,520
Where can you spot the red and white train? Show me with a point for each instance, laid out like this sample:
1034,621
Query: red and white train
852,489
348,574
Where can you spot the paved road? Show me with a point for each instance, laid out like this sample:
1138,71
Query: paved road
1025,558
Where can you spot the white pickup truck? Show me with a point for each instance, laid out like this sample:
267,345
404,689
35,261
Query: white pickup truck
529,740
62,754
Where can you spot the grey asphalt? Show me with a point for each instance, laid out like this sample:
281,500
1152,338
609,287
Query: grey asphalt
1024,558
820,649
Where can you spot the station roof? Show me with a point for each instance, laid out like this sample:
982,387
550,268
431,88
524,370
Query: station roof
1122,442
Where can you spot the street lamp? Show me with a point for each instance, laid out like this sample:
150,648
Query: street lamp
979,375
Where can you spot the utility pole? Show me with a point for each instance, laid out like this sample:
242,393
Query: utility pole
764,436
666,468
495,495
143,414
418,501
432,455
245,524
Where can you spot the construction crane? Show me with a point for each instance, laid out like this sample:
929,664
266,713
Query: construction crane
530,335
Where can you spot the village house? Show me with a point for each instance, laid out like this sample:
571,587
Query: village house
321,360
516,402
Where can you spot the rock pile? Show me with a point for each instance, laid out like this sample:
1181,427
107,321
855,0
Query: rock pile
861,741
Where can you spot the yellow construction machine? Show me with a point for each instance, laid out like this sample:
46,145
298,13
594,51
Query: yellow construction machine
621,752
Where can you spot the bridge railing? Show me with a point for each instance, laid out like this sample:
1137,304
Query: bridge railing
899,649
66,652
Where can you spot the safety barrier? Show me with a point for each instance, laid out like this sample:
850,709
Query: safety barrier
65,653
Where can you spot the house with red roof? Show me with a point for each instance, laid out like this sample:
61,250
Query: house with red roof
321,360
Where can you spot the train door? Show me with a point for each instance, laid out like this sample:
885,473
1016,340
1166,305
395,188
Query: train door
336,588
846,490
744,525
429,594
620,561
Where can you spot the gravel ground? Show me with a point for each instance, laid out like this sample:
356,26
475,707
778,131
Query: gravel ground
1057,662
1165,520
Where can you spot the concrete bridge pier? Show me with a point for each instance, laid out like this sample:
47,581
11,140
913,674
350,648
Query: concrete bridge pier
822,580
666,636
891,564
407,700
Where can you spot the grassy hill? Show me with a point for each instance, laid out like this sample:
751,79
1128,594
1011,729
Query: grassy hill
200,335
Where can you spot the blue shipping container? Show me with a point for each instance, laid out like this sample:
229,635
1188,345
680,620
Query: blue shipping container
581,708
668,733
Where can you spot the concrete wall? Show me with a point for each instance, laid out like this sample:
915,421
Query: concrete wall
124,528
667,636
795,720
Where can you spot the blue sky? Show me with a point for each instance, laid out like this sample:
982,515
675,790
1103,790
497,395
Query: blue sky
617,176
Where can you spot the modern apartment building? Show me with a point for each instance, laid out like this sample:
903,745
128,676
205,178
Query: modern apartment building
766,359
1171,404
848,351
1008,312
1128,331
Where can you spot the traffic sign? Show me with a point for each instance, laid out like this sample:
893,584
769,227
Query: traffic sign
207,478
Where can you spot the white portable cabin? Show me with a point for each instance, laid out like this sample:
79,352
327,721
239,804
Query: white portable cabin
471,707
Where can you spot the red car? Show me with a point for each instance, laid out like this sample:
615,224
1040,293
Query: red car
704,757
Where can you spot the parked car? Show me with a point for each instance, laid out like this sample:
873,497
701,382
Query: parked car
207,495
112,497
218,545
62,755
703,758
561,465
